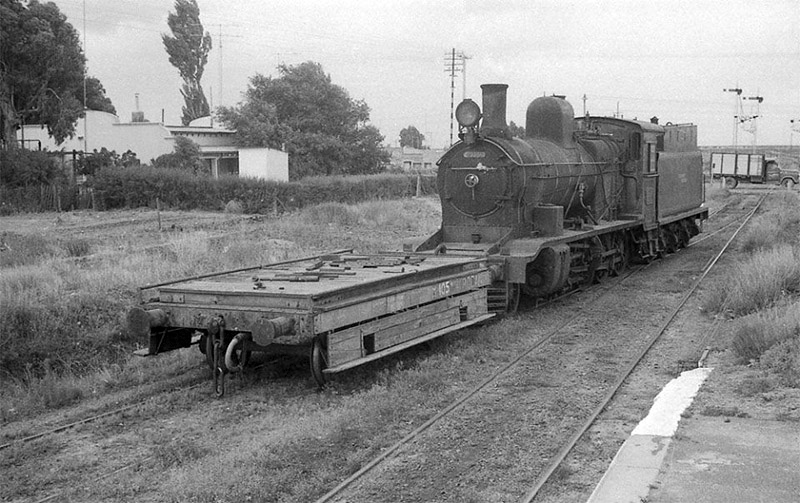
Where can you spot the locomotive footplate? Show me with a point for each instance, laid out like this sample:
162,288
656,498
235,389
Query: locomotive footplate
344,309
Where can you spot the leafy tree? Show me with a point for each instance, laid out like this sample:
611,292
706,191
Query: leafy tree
256,123
96,98
185,157
188,50
411,137
23,167
90,163
324,130
516,131
41,70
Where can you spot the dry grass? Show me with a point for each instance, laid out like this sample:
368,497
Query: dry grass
756,283
333,433
64,307
757,333
762,288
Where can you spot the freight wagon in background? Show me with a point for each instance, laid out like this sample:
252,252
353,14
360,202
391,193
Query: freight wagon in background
736,167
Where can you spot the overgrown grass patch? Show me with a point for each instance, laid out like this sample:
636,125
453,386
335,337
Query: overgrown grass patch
756,283
333,433
778,226
19,250
716,411
757,333
64,307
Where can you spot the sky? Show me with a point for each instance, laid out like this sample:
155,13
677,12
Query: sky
636,58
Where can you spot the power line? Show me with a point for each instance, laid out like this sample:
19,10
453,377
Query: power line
455,62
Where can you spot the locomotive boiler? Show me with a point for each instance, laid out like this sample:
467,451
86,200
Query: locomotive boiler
573,200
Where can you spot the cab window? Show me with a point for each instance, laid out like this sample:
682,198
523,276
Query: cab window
652,156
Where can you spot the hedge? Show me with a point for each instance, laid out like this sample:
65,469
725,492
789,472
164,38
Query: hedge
116,188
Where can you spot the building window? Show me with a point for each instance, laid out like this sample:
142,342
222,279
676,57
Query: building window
229,166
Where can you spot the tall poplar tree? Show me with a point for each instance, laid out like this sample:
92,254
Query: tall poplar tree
188,50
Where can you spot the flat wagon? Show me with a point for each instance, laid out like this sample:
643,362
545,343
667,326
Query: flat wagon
341,309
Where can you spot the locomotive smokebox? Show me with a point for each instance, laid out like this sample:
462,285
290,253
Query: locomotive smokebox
494,110
551,118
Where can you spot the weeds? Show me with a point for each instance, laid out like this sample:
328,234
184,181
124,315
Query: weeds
70,313
178,451
756,334
783,359
758,385
756,283
716,411
77,247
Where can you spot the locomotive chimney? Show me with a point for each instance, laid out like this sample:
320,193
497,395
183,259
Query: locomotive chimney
494,109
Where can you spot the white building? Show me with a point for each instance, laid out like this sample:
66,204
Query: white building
148,140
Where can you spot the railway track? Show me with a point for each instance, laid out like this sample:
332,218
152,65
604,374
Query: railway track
529,387
494,387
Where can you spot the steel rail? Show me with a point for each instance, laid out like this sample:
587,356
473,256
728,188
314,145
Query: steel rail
567,448
387,453
463,399
97,417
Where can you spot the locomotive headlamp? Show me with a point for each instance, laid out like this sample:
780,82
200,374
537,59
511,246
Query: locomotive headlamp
468,113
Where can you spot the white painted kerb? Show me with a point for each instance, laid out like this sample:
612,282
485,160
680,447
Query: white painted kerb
677,395
636,464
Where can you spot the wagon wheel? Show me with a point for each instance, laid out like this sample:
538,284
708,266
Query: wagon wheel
319,361
731,182
619,261
670,240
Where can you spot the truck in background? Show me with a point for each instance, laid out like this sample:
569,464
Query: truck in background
734,167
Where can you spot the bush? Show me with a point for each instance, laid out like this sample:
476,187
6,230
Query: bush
130,188
759,332
23,167
780,225
784,359
756,283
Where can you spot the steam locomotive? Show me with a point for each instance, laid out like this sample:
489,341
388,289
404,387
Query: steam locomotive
574,200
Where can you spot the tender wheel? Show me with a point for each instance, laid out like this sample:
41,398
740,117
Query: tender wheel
731,182
619,261
319,362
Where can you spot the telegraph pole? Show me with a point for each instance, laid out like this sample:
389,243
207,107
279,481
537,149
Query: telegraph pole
85,76
220,68
746,118
736,104
455,62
